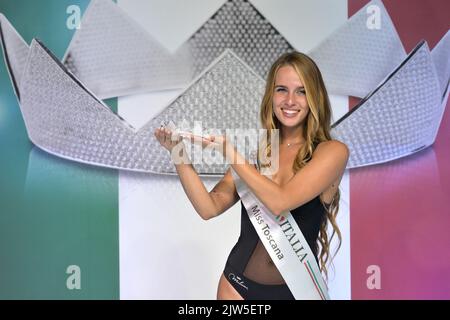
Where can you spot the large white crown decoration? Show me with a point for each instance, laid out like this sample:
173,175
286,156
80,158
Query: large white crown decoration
221,68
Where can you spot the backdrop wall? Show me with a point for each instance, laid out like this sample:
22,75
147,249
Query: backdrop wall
136,236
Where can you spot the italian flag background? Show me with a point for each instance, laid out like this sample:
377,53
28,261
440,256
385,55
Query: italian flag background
136,236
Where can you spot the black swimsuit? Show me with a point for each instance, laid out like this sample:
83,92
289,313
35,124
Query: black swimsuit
249,268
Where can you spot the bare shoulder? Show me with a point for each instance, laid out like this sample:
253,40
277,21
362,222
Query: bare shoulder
333,148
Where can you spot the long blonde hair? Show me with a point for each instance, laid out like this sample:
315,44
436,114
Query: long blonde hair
315,130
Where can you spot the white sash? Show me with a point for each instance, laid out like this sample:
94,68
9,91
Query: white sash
286,246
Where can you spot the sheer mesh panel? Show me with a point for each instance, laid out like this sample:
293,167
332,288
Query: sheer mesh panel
260,268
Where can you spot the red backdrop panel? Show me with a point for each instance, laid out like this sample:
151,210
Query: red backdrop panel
400,211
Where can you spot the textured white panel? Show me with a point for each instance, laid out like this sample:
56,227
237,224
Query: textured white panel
441,58
355,58
114,56
15,52
238,26
398,118
171,22
64,118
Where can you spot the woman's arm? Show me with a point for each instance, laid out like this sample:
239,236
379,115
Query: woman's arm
326,166
207,204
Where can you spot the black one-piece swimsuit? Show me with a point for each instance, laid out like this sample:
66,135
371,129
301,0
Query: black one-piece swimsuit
249,268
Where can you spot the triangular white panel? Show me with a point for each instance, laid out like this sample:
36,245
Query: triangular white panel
114,56
64,118
226,96
441,58
359,55
399,118
238,26
15,52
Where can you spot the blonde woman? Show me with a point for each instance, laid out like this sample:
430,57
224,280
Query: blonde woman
310,169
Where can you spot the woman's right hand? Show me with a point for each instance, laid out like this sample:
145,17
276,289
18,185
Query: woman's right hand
166,138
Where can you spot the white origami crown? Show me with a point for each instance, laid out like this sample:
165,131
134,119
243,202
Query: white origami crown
64,116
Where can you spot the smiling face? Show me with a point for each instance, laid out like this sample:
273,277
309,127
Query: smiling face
289,98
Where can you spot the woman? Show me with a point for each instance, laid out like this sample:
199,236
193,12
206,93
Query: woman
310,169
